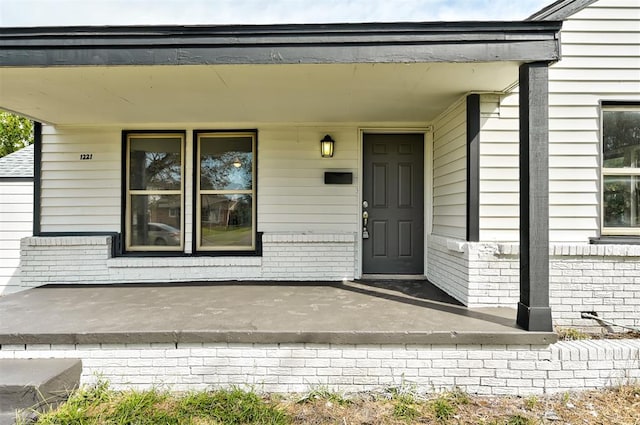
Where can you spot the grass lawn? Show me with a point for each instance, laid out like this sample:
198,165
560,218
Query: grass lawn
100,405
231,236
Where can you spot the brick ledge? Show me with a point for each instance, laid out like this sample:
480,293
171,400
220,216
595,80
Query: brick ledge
557,250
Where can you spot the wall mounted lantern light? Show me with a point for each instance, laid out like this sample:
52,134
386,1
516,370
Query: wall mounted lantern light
326,147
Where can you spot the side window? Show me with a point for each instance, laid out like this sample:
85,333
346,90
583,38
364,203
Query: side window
621,170
226,191
154,192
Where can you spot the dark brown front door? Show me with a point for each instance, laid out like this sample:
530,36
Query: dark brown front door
393,189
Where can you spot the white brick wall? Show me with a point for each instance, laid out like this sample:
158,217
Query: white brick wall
281,368
309,256
448,267
600,278
87,259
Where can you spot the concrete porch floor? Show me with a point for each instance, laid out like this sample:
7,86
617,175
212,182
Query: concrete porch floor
362,312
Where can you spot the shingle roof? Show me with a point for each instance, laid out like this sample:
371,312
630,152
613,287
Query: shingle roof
18,164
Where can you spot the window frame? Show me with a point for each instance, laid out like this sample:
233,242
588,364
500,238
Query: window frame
127,193
198,249
606,171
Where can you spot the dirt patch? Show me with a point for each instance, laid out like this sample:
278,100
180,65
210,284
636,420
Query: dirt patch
573,334
620,406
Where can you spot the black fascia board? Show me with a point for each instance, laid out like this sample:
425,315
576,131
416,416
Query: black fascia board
296,43
560,10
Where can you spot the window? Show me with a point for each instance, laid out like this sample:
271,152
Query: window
226,193
154,191
621,170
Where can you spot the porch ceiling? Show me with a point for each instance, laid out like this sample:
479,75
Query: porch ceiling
251,93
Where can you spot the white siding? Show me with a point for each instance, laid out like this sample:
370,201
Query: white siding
449,172
16,212
499,181
601,62
85,195
292,196
80,195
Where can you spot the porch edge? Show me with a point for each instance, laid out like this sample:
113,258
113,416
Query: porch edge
516,337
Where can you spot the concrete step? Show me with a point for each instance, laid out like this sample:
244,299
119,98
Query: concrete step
35,385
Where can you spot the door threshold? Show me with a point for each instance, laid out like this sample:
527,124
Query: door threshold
393,277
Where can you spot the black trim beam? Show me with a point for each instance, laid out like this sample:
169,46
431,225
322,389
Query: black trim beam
284,44
473,168
560,10
37,176
632,103
534,313
16,179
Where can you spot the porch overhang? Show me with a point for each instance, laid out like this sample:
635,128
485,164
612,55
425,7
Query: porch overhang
398,72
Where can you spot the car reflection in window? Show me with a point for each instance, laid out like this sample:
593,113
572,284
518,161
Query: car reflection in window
163,234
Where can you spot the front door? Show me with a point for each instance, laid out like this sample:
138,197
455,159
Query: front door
393,199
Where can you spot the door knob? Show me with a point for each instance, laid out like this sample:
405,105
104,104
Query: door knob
365,218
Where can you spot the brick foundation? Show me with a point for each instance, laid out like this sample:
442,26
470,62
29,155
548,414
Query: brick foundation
282,368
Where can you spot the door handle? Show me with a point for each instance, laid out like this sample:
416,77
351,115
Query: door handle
365,220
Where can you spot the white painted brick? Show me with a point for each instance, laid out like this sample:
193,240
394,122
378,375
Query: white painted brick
431,372
495,364
561,374
521,365
443,364
508,373
490,373
534,374
521,375
457,372
13,347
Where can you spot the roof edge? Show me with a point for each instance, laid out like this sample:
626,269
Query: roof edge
465,41
349,27
560,10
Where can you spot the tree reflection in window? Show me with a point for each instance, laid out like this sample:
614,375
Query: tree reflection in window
155,164
226,163
226,191
154,192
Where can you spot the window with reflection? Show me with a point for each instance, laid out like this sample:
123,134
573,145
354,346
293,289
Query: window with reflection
621,170
226,195
155,167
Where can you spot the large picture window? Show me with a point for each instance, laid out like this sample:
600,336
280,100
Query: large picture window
621,170
226,193
154,192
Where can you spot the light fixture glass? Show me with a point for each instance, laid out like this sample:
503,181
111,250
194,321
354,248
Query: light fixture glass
237,163
326,147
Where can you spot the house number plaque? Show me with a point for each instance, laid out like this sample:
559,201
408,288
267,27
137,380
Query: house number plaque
86,156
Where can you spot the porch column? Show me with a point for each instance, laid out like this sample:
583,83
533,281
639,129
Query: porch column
37,174
534,313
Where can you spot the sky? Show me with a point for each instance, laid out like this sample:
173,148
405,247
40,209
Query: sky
24,13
